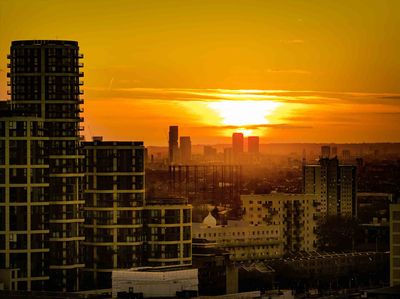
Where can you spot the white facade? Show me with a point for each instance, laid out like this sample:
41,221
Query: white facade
154,282
243,240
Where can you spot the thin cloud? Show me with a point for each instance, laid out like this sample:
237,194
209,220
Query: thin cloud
260,126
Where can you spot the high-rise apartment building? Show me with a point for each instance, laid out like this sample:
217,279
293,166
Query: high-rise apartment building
335,185
24,202
237,146
253,144
114,201
173,147
45,80
394,244
185,149
168,229
294,215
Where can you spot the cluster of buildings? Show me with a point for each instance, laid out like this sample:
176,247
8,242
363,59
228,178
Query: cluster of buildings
71,212
180,150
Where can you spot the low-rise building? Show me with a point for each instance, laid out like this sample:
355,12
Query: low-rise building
155,282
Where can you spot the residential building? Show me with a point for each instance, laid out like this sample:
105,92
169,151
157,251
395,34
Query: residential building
168,230
45,80
242,240
394,244
24,202
114,203
294,216
334,184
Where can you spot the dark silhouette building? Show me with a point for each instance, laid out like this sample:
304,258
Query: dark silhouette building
173,147
253,144
45,80
114,200
237,146
24,202
185,149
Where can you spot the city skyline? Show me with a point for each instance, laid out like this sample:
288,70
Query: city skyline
284,70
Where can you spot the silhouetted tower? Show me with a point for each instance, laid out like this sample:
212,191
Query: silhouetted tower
254,144
186,149
45,80
173,144
237,146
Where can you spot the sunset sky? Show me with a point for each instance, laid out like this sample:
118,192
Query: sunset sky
289,71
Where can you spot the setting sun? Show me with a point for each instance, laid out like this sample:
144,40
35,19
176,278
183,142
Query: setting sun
243,113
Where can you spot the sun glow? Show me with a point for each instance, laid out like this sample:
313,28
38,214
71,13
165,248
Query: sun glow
244,113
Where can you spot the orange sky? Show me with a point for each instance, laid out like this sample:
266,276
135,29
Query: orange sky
291,71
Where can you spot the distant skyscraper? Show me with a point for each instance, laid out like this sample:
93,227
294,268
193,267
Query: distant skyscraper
45,80
335,184
210,152
253,144
173,144
325,151
237,146
185,149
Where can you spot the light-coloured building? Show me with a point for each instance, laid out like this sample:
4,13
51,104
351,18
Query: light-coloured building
294,216
394,244
242,240
155,282
334,184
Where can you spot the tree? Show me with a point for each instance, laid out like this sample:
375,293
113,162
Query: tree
338,233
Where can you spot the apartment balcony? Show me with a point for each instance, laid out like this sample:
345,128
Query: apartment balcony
80,64
81,83
8,56
81,101
267,205
273,212
81,74
316,203
80,55
9,65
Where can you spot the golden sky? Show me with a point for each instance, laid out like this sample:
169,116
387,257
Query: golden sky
291,71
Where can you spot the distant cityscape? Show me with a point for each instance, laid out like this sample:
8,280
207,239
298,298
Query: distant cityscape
120,219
